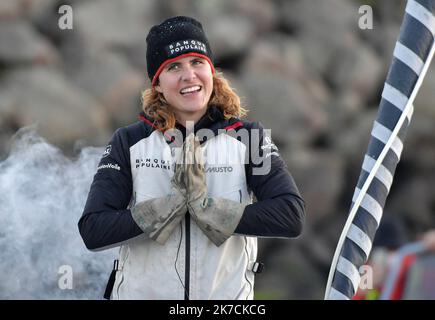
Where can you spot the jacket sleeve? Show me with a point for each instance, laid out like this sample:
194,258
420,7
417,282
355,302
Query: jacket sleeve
106,221
280,209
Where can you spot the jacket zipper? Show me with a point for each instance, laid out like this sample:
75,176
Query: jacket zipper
187,259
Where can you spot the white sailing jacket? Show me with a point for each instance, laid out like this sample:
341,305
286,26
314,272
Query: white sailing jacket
138,165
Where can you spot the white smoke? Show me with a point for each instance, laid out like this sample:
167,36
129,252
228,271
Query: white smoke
42,195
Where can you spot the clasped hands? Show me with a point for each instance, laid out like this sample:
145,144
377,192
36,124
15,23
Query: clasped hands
216,217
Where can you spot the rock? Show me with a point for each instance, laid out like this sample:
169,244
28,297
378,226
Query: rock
418,187
36,10
135,55
325,17
108,23
276,52
351,140
421,133
262,13
108,78
390,11
228,25
343,110
312,241
283,54
322,28
419,144
62,112
284,105
21,44
225,41
383,39
320,178
289,265
356,69
10,9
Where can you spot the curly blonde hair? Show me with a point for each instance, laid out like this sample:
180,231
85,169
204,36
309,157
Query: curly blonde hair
223,96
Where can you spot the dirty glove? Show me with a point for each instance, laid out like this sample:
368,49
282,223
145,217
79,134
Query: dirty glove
216,217
158,217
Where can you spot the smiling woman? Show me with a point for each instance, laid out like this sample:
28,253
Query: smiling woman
161,111
181,229
186,85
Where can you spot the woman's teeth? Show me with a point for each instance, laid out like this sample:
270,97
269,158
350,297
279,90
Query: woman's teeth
190,89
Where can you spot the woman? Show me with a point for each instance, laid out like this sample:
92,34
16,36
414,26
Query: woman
174,189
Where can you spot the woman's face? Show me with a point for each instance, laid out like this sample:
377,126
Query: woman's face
187,85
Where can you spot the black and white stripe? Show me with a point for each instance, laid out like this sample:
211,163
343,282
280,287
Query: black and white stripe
412,55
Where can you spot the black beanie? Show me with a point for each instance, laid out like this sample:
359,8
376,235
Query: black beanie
173,38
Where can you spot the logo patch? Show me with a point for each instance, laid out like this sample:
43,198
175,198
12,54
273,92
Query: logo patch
269,147
219,169
179,47
107,151
109,166
268,144
153,163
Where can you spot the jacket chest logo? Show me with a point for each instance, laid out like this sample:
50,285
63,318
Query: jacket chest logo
154,163
218,169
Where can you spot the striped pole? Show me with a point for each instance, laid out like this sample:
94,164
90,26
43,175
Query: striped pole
412,56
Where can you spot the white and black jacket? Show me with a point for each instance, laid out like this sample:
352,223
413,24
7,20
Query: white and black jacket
138,165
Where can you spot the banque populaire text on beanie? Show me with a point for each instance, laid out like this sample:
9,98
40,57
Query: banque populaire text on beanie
173,39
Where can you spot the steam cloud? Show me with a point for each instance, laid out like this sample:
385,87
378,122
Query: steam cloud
42,195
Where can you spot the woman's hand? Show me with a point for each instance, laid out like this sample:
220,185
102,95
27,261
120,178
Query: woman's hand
216,217
158,217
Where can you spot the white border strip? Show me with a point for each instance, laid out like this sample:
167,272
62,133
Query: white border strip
370,204
360,238
394,96
421,14
350,271
382,133
408,57
384,175
337,295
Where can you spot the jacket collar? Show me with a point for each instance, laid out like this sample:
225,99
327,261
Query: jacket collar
213,119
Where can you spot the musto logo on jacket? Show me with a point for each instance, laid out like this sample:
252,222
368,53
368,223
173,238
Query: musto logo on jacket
217,169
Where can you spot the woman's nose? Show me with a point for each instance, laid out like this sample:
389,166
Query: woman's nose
188,74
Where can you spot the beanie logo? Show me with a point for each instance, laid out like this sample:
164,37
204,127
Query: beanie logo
180,47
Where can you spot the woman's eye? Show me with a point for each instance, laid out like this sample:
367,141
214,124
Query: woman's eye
173,67
196,62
